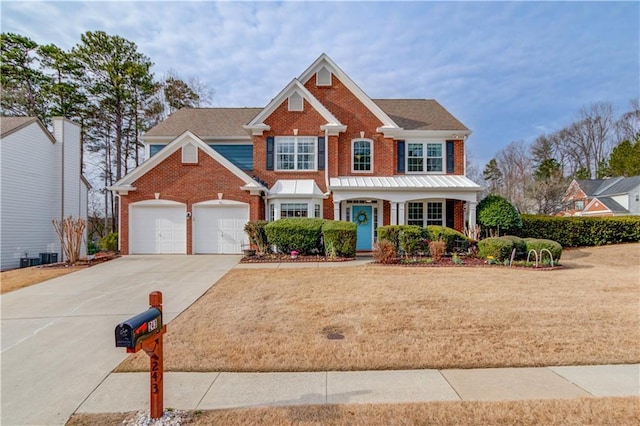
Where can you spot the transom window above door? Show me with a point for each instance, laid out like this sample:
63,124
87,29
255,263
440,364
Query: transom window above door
424,157
295,152
362,154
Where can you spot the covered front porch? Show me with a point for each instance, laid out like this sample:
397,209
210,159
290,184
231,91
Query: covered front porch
371,202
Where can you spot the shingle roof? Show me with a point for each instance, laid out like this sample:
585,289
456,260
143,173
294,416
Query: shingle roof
206,122
419,114
612,205
410,114
622,186
9,125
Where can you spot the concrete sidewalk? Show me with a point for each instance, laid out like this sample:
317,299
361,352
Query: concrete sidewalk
206,391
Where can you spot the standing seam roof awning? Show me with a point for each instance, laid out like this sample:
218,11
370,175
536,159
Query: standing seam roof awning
295,188
408,182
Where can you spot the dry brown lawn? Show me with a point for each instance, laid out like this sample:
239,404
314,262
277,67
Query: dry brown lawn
24,277
584,411
394,317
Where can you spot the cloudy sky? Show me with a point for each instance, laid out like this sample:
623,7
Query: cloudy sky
508,70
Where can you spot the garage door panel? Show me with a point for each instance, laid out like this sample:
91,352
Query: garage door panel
219,229
158,229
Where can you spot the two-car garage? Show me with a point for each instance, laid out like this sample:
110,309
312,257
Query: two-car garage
160,227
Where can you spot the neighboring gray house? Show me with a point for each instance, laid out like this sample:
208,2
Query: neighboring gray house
40,180
603,197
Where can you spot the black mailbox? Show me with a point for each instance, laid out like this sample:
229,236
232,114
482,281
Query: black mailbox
134,330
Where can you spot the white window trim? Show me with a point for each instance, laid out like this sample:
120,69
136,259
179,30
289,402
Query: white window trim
424,151
295,154
424,210
353,143
276,205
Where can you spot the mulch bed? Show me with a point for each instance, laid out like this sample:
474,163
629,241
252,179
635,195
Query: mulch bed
98,258
444,262
285,258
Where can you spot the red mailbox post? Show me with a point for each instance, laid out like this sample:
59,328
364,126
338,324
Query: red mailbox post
145,331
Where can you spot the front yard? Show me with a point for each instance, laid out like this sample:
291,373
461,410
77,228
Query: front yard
394,317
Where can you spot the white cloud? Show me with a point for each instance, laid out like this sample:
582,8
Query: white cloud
506,70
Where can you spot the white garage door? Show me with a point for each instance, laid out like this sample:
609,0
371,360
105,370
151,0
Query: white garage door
158,227
219,228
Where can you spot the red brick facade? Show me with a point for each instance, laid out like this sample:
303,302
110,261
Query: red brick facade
188,184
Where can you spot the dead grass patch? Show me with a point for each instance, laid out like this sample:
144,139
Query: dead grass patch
391,317
583,411
15,279
24,277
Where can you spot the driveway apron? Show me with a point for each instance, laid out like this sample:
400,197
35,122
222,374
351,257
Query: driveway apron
58,337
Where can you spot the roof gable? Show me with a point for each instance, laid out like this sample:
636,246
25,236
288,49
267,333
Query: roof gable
126,183
9,125
324,61
257,125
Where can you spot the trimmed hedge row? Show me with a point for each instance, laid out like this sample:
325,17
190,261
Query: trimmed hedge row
582,231
500,248
306,236
412,239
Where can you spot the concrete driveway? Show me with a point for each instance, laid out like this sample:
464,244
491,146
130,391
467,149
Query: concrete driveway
58,337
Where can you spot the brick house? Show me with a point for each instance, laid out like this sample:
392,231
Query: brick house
320,148
617,196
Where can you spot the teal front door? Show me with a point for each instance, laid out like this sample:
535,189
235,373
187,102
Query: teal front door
363,218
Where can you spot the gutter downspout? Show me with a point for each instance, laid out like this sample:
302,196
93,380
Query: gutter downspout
62,142
326,161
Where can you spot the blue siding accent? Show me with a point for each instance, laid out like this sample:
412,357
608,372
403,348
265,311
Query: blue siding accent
154,149
239,155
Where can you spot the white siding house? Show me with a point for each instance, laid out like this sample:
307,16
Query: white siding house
40,180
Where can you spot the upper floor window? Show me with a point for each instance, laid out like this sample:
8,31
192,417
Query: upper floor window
362,155
579,205
295,152
424,157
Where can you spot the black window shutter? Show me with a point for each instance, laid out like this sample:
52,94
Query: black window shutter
400,165
321,151
270,143
450,213
450,157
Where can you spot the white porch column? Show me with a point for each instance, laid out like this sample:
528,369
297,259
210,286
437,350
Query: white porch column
472,213
401,220
394,213
336,210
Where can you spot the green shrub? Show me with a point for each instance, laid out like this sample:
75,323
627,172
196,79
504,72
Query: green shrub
300,234
109,242
518,243
406,239
257,235
390,233
449,235
582,231
499,248
92,247
497,214
538,244
339,238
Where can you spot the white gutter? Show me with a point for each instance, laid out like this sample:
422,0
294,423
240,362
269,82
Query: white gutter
326,161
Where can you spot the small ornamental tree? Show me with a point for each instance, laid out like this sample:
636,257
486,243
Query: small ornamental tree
70,231
497,215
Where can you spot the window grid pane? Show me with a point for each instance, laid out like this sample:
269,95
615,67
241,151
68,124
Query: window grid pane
415,214
415,157
293,210
362,156
434,213
295,153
